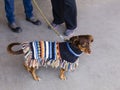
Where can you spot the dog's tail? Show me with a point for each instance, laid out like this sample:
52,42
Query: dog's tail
10,50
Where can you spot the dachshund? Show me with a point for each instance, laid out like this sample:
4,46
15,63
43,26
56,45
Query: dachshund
56,54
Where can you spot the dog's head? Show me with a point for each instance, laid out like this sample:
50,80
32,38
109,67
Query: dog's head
82,42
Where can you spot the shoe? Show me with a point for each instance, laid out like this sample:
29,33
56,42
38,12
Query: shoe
34,21
54,26
15,28
68,32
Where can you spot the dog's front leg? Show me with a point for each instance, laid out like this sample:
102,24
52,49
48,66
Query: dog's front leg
62,74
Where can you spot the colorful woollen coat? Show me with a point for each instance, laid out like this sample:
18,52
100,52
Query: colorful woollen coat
55,54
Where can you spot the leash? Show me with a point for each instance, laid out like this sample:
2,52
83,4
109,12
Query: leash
47,21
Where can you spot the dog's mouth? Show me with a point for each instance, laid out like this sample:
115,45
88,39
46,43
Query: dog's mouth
84,49
88,52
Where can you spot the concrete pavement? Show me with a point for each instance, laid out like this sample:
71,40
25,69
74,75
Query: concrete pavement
98,71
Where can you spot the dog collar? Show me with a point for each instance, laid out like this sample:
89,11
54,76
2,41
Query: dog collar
69,48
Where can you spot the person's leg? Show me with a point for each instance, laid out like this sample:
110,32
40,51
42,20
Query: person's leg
70,16
9,9
57,10
28,8
29,12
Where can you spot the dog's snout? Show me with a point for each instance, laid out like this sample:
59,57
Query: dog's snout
88,51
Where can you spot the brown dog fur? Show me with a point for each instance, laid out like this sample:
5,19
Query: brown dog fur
81,42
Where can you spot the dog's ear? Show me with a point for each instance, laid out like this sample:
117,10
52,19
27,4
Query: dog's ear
80,40
74,40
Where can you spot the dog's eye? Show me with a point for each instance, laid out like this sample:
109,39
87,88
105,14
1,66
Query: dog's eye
92,40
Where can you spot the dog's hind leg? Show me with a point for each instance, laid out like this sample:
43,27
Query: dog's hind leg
32,71
28,68
62,74
34,74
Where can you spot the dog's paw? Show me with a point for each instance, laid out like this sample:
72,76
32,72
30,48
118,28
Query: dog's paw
37,78
63,77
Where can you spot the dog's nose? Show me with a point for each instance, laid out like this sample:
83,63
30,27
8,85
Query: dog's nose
88,51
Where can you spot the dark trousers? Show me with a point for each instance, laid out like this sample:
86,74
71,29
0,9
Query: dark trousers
65,11
9,9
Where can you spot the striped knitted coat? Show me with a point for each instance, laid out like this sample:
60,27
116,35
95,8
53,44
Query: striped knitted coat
43,53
